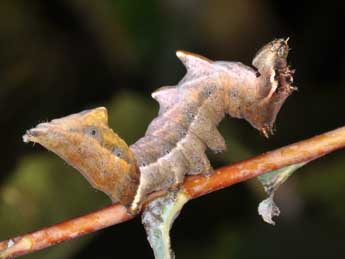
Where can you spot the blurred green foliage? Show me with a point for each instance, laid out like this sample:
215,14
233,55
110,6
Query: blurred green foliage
60,57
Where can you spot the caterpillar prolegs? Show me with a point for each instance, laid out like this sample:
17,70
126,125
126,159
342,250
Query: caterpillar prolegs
175,142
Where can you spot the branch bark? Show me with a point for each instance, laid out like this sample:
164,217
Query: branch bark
194,186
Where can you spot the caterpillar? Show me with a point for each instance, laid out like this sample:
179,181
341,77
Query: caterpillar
175,142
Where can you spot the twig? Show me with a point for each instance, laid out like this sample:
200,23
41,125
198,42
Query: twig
194,186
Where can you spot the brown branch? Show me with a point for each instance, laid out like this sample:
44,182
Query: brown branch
194,186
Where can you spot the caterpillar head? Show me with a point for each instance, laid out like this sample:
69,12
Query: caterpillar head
274,85
272,55
85,141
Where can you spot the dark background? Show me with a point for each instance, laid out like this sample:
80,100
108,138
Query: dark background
60,57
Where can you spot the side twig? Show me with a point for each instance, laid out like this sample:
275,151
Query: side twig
194,186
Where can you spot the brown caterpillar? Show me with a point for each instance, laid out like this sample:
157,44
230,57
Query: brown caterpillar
175,142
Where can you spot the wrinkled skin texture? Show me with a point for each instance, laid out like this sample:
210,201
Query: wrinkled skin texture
175,142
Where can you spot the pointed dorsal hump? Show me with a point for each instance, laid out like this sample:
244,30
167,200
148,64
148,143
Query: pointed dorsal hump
194,63
166,96
196,66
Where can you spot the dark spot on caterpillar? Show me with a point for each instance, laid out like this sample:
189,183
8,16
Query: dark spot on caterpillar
191,111
208,91
233,93
182,133
142,164
93,132
117,152
198,169
166,150
190,116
